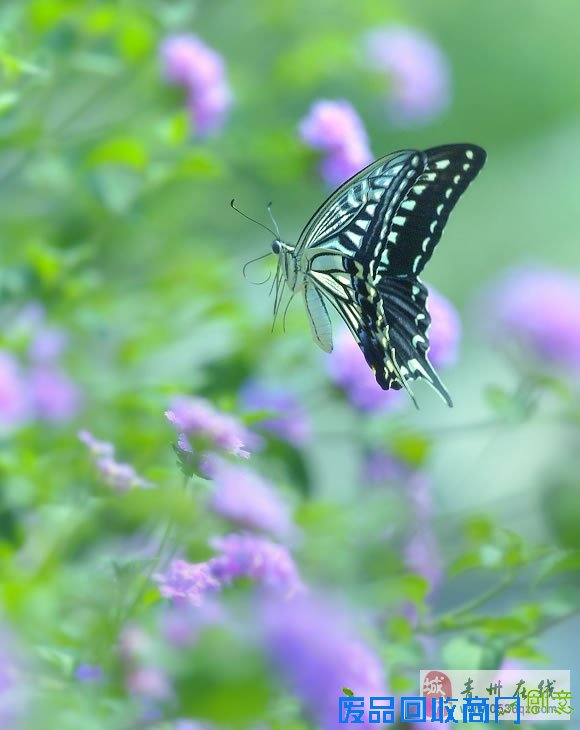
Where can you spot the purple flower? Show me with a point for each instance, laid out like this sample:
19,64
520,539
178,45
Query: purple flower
149,682
335,128
116,474
381,468
119,475
444,331
421,555
88,673
290,422
348,369
55,397
249,556
419,71
14,399
47,345
188,62
317,654
97,448
243,497
184,622
186,583
14,688
539,308
202,426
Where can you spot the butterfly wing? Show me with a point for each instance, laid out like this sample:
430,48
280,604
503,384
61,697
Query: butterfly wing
393,336
365,246
339,232
395,317
417,226
384,182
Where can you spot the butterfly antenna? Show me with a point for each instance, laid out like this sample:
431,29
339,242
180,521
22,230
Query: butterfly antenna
233,205
273,219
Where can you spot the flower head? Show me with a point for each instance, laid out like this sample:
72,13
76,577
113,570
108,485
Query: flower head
14,398
348,369
97,448
540,309
380,468
116,474
186,583
444,331
334,127
47,345
201,425
149,682
316,652
243,497
290,422
190,63
419,72
257,558
88,673
55,397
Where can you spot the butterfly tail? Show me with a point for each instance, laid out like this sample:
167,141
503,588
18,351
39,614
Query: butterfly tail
403,307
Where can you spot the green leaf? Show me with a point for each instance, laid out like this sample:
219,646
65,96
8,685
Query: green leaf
559,563
141,505
127,151
200,164
117,187
461,652
478,529
400,628
467,561
412,448
348,692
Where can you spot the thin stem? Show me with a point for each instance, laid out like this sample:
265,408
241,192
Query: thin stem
546,626
446,621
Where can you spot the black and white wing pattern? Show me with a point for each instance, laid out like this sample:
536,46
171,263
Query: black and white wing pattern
364,249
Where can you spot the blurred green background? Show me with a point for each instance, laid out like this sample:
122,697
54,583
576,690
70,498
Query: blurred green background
116,218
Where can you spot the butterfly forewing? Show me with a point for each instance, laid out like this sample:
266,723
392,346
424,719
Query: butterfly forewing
382,178
421,217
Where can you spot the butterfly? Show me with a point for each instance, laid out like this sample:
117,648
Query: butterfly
362,253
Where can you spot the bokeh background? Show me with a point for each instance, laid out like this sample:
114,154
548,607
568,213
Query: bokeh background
378,538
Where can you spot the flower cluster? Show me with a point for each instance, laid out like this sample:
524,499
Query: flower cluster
348,368
264,562
116,474
444,330
335,128
241,496
539,308
40,388
257,558
289,422
186,582
418,69
190,63
316,653
203,429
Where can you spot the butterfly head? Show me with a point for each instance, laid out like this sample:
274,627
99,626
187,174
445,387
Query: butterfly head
279,247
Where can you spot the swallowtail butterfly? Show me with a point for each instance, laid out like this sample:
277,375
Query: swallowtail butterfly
363,250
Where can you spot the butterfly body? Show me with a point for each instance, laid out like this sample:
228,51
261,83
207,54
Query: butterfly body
363,250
